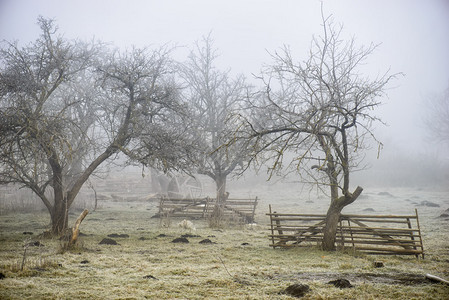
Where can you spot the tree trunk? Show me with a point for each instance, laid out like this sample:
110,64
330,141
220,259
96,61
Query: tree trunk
333,217
217,214
220,181
59,211
59,216
330,229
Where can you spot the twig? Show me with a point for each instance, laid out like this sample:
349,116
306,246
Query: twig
95,193
225,267
25,247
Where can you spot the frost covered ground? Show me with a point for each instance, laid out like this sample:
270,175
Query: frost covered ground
238,264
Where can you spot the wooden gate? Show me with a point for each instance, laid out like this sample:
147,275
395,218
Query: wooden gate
372,234
242,210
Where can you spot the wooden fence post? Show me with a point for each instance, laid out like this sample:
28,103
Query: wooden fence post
419,232
271,224
254,210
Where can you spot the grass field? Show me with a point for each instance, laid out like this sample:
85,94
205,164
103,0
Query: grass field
238,264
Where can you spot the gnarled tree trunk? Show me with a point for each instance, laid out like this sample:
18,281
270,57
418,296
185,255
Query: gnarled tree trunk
333,217
59,216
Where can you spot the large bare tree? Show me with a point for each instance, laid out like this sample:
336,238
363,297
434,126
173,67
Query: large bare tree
315,116
66,108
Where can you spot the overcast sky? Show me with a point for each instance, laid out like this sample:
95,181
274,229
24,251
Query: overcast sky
414,37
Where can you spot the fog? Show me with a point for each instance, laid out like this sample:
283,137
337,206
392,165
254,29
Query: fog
413,37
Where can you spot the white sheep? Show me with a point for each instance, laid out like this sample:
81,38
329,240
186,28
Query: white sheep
252,226
186,224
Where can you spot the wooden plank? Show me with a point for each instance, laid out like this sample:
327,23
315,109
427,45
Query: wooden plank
378,242
380,216
249,203
299,215
367,238
352,216
379,220
297,219
395,250
390,232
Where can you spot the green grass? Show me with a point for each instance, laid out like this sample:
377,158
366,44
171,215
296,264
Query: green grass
224,270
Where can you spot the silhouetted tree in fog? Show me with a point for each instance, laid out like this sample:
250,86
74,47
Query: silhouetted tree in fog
437,119
213,97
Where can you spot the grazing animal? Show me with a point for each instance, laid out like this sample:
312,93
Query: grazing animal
186,224
252,226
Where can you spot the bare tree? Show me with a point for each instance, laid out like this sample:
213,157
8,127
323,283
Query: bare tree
65,110
315,116
437,118
213,97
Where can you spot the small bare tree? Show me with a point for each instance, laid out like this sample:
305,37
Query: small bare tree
437,118
316,115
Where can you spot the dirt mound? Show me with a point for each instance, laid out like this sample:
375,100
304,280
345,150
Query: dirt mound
296,290
429,204
369,209
107,241
341,283
180,240
385,194
206,241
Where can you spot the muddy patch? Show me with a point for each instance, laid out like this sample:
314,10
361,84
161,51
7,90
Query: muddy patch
359,278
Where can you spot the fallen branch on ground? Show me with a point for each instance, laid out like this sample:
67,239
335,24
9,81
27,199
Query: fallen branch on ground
75,229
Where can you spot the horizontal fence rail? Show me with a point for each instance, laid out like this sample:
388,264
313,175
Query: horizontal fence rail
372,234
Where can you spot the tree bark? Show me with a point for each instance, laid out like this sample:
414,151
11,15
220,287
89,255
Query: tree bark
333,217
59,216
330,228
220,181
59,212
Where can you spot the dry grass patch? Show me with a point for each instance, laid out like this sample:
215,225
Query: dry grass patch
238,265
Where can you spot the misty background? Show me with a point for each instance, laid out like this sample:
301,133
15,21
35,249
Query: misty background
414,38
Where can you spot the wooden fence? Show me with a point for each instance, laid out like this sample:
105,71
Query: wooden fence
241,210
385,234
